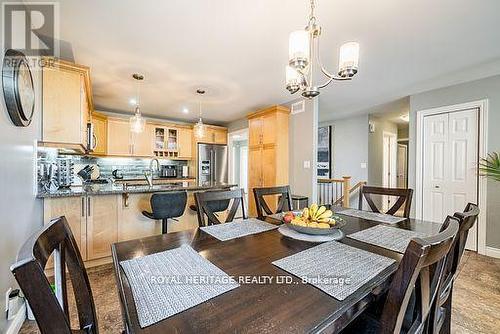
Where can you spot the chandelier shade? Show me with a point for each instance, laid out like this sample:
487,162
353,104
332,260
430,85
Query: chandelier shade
348,59
298,49
137,122
199,127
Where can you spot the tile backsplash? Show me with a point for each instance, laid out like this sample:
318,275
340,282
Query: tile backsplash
130,168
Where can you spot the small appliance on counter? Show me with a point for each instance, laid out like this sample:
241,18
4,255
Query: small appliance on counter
64,173
168,171
185,171
117,174
86,173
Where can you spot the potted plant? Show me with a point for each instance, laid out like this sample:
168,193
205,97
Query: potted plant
490,166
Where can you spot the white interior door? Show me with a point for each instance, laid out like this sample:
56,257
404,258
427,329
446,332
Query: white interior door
402,166
389,177
450,153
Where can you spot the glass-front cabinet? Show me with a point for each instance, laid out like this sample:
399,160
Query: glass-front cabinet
166,142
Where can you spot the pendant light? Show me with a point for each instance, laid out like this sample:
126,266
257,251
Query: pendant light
199,127
137,122
304,57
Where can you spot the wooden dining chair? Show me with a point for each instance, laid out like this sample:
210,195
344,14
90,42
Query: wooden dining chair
284,203
442,307
404,197
204,208
413,288
51,308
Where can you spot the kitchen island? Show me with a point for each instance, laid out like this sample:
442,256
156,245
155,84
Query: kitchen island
102,214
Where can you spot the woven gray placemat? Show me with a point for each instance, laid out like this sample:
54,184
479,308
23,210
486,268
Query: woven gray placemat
335,268
166,283
388,237
290,233
378,217
238,228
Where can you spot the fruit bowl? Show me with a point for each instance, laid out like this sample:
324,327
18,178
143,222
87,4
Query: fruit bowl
314,221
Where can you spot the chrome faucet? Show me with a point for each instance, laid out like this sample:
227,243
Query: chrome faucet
149,173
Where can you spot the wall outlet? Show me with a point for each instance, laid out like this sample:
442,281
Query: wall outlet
307,164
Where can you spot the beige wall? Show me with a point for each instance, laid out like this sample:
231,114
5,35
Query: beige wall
376,148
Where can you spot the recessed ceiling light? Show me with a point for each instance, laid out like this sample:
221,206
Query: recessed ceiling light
185,110
132,102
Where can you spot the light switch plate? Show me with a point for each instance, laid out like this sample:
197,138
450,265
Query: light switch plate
307,164
363,165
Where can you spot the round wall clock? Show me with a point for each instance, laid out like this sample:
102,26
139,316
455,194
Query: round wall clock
18,89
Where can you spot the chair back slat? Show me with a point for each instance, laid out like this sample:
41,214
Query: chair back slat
284,204
417,279
29,272
204,207
404,197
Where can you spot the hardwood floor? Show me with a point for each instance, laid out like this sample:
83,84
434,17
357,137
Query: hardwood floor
476,298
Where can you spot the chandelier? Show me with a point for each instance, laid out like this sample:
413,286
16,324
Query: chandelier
303,51
199,127
137,122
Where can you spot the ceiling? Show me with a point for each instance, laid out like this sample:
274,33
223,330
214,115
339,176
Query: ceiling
237,50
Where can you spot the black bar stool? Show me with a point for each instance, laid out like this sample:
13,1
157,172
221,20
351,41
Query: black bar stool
166,206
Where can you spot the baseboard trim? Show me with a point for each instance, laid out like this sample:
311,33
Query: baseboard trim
17,322
493,252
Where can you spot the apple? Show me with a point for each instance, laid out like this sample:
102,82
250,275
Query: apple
288,217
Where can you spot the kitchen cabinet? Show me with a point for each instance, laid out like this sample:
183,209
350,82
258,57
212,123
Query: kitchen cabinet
142,143
133,224
100,123
73,208
220,136
66,104
268,157
119,137
102,225
185,143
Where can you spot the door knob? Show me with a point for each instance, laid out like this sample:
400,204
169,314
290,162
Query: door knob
437,187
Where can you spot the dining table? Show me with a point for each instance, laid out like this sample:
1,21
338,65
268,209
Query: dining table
258,307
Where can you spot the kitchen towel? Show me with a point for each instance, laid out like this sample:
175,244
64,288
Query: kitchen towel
166,283
335,268
237,228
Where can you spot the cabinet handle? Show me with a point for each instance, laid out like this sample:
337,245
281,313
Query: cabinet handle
88,206
83,206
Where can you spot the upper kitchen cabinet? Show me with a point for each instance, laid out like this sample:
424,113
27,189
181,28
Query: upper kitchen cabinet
67,104
213,135
123,142
100,123
185,143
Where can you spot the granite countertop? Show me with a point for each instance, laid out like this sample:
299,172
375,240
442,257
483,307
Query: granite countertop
110,189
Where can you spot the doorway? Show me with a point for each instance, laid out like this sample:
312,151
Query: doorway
238,159
389,169
450,141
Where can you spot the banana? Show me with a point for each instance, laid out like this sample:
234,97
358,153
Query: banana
323,220
326,214
313,209
305,214
319,212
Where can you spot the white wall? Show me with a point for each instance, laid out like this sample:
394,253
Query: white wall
303,136
376,148
21,212
350,148
488,88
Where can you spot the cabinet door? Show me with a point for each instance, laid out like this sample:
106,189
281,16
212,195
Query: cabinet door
220,136
101,134
133,224
102,225
269,128
185,143
269,173
62,107
254,131
73,209
143,142
254,176
119,137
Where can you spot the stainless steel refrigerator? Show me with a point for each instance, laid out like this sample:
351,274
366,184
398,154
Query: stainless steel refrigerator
212,163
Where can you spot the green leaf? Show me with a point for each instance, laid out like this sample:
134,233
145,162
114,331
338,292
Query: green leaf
490,166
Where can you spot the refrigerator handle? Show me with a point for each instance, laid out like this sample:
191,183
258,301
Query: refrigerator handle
214,178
